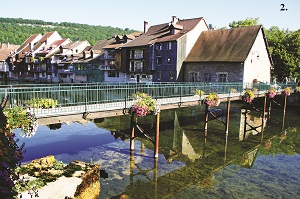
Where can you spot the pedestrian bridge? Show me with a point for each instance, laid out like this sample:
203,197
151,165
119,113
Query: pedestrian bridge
116,98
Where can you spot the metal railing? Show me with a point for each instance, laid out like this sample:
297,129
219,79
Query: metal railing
90,97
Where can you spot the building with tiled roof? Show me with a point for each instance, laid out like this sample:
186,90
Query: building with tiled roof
6,50
157,55
232,55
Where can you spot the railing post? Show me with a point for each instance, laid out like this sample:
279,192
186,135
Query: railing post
264,114
227,116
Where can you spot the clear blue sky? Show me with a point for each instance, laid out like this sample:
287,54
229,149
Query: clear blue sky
132,13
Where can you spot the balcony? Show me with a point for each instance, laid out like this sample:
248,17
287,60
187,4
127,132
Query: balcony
107,67
107,56
65,71
36,70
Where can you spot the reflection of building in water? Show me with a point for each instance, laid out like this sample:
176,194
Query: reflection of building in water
249,158
54,126
186,147
251,126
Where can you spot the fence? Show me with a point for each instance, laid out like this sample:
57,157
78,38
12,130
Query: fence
88,97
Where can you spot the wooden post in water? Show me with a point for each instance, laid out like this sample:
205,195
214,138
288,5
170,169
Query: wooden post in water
157,135
227,127
205,121
264,114
245,121
284,108
227,116
132,132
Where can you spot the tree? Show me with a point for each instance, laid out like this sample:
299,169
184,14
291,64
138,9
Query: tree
244,23
284,47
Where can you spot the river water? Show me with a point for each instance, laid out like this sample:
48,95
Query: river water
190,164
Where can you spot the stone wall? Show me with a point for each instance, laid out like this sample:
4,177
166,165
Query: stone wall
234,70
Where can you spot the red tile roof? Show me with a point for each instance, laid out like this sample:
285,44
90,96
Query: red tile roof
161,33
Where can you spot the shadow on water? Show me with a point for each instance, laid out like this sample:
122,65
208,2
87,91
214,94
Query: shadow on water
191,164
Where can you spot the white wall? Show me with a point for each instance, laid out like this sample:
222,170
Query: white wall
257,64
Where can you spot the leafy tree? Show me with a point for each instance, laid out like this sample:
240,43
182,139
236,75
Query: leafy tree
17,30
244,23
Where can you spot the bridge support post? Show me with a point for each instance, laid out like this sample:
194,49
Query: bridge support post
263,121
132,133
206,120
227,116
157,135
284,109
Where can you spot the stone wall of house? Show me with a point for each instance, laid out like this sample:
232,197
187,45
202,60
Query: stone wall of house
234,71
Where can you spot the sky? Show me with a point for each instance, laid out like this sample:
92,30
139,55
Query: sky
132,13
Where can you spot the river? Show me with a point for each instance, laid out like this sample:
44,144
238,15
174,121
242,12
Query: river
190,164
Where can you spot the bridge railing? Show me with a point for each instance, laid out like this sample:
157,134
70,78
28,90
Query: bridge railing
88,97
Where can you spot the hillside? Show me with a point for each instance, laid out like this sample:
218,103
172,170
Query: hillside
17,30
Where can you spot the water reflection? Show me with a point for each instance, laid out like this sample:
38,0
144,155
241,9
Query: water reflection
191,164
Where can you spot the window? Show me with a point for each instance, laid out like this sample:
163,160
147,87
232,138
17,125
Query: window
159,75
168,60
113,74
222,77
132,54
171,75
207,77
158,60
169,45
159,46
194,77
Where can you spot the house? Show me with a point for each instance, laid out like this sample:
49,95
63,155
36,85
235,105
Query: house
45,66
5,51
88,66
232,55
16,60
102,62
24,61
64,59
158,54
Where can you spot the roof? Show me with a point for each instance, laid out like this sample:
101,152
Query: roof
230,45
4,53
161,33
99,45
29,40
52,46
43,39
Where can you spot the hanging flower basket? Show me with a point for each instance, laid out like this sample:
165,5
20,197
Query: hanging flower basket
249,96
144,105
287,91
272,92
297,90
19,118
212,100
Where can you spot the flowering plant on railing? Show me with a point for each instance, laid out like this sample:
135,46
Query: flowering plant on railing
198,92
144,105
212,100
249,96
272,92
287,91
232,90
18,118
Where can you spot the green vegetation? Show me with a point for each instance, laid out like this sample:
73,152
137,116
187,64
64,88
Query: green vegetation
17,30
42,103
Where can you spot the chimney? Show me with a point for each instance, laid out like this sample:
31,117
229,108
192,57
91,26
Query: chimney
145,26
174,19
